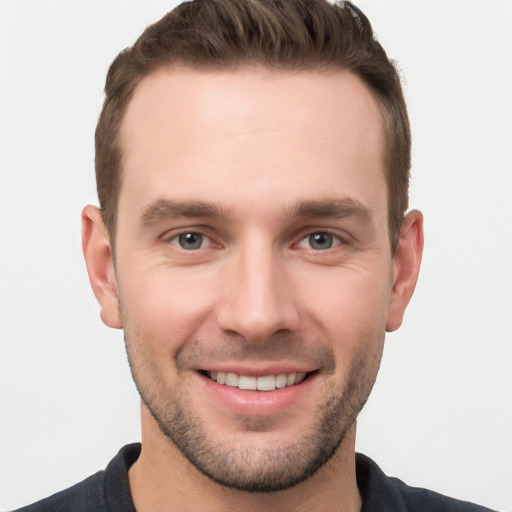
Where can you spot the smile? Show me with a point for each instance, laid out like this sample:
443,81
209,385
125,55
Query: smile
263,383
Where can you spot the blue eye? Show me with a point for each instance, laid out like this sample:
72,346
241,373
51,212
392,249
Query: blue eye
190,241
319,241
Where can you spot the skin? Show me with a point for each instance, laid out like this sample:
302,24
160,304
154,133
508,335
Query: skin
256,162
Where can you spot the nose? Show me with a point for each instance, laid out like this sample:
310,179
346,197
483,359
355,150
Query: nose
257,300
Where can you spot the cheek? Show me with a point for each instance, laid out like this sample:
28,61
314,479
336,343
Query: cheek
349,305
167,303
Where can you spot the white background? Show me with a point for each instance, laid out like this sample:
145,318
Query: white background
441,412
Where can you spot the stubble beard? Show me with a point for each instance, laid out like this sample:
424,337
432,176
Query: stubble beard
264,467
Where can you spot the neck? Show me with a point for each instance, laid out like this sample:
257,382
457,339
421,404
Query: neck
162,479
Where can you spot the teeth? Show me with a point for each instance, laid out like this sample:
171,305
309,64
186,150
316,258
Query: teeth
300,377
246,382
264,383
232,379
267,383
290,379
281,380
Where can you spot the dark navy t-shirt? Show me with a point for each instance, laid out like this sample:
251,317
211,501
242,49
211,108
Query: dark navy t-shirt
109,491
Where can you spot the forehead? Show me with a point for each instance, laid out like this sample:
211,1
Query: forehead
192,133
218,101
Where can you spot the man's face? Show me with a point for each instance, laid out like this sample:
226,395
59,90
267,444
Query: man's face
252,250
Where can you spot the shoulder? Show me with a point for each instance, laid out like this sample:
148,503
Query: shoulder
384,493
82,497
105,491
417,498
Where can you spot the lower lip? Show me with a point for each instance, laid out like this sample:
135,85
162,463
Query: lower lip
256,403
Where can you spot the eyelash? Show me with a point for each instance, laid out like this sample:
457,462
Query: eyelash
336,240
175,239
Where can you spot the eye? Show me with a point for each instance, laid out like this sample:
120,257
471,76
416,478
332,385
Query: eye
319,241
191,241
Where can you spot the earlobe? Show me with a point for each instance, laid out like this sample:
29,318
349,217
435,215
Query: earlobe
100,265
406,267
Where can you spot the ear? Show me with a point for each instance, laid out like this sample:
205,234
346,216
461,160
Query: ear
406,267
100,265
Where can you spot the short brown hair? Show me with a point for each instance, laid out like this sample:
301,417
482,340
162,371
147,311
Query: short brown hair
280,34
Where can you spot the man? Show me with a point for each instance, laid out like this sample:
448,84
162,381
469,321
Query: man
252,163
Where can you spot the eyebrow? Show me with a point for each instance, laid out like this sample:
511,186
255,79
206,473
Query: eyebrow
337,208
163,209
